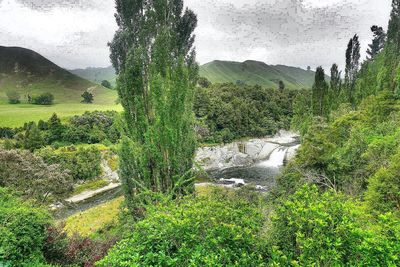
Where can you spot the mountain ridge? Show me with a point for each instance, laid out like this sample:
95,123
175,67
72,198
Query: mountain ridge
251,72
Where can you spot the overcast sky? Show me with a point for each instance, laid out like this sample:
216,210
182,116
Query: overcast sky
74,33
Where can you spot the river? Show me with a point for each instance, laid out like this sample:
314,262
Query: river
257,161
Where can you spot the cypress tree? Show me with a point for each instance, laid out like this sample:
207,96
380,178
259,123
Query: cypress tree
152,52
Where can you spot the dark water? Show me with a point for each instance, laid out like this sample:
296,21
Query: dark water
257,175
262,173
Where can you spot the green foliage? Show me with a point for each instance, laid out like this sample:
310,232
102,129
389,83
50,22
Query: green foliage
203,82
22,231
153,55
106,84
32,139
302,112
354,153
230,111
352,68
383,192
378,43
87,97
323,229
90,128
83,163
43,99
13,97
28,175
320,94
219,230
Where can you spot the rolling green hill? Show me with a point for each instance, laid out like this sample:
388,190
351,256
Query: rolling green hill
27,72
255,72
249,72
97,75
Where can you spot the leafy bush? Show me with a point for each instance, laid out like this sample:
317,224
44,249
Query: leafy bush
82,163
13,97
106,84
219,230
22,231
87,97
27,174
313,229
43,99
62,250
6,132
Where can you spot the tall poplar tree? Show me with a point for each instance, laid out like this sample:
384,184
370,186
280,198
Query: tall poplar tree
320,97
352,67
336,80
152,52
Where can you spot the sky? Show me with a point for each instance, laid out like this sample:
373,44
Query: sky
301,33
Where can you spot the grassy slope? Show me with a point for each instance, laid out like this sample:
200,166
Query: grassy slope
27,72
254,72
97,75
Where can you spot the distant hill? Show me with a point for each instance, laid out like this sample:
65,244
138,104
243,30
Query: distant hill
249,72
28,72
97,75
255,72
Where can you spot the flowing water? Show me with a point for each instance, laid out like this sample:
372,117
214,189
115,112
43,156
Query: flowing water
262,173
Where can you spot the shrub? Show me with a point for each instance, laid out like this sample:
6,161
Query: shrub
219,230
22,231
6,132
76,250
323,229
13,97
82,163
27,174
43,99
87,97
32,138
106,84
383,194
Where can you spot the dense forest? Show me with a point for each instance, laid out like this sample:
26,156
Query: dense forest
337,203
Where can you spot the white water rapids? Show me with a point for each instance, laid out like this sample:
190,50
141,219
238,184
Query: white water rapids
276,159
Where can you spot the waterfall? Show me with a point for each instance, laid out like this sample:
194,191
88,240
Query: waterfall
276,158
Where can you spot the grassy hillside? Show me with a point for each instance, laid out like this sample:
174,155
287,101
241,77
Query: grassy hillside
97,75
250,72
29,73
254,72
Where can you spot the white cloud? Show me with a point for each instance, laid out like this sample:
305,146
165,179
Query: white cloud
74,33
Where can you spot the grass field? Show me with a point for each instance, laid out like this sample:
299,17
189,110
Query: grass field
66,104
17,115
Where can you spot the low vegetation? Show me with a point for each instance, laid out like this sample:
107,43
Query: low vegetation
22,231
43,99
89,222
